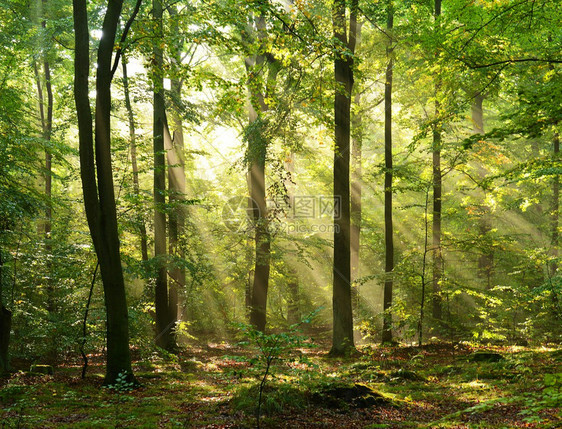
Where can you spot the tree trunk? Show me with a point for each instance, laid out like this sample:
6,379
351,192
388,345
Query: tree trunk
437,194
555,215
257,153
177,186
5,324
555,195
342,340
45,225
486,259
262,236
164,322
99,198
133,146
356,190
293,308
176,181
388,233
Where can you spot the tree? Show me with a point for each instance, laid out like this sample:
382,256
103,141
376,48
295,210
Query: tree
97,178
134,164
165,320
388,233
5,323
175,146
344,49
262,69
437,193
486,259
356,187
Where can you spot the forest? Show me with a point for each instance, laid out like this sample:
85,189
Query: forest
280,213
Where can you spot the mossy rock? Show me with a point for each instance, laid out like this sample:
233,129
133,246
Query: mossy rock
483,356
41,369
450,370
404,374
349,395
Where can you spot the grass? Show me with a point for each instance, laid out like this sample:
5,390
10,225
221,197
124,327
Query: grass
433,387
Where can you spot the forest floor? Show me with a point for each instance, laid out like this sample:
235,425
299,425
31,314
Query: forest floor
217,386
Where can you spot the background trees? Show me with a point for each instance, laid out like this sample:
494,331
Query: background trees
247,90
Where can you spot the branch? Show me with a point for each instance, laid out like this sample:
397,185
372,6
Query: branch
510,61
374,24
124,37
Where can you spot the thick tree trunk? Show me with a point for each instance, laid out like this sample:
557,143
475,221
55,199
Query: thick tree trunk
388,232
165,337
134,165
342,340
437,195
99,198
263,240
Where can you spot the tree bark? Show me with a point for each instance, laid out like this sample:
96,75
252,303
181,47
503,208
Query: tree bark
486,259
46,119
437,195
99,198
165,337
293,307
177,186
356,191
5,324
134,165
257,153
388,232
342,339
555,216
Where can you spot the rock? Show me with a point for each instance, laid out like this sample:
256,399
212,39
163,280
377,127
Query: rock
483,356
405,374
354,395
42,369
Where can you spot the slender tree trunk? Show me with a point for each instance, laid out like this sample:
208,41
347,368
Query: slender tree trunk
99,198
257,153
342,340
388,233
46,133
355,209
437,195
555,216
555,196
293,310
164,320
356,190
5,324
134,165
177,186
176,221
486,259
